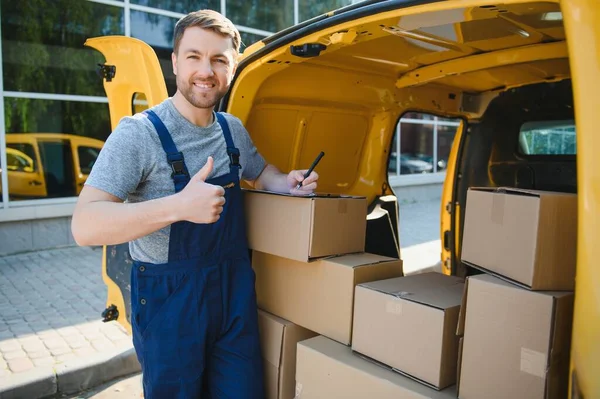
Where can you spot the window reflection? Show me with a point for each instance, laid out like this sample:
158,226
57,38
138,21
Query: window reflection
157,31
310,9
48,153
248,39
269,15
42,44
181,6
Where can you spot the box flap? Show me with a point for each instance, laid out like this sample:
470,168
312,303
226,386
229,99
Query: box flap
359,259
432,289
271,330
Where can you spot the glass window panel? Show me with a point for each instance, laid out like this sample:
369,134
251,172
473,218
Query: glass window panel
445,139
51,145
42,44
312,8
157,31
548,138
269,15
87,158
181,6
248,39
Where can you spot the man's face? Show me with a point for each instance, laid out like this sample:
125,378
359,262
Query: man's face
204,66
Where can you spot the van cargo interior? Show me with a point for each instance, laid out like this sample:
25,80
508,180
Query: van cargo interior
355,73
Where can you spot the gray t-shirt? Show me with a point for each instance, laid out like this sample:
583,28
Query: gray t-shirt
133,166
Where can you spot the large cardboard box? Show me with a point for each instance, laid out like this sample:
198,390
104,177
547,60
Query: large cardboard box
303,228
527,236
516,341
278,340
327,369
409,324
318,295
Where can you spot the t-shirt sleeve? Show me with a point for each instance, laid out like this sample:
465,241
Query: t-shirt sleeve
252,161
122,162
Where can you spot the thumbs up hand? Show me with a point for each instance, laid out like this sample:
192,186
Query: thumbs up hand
199,201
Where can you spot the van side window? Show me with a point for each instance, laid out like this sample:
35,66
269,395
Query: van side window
16,161
139,102
548,138
28,150
87,158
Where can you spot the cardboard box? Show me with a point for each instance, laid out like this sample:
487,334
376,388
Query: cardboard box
278,340
516,342
527,236
304,228
327,369
318,295
409,324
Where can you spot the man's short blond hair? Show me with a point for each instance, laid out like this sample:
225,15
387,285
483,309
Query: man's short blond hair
207,19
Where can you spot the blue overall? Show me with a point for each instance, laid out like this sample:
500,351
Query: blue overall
194,319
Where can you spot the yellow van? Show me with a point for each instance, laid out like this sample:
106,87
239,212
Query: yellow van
340,82
48,165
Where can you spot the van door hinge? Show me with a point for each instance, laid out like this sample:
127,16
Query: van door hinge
107,72
449,207
110,313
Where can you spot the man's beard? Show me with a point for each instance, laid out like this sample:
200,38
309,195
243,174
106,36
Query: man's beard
200,100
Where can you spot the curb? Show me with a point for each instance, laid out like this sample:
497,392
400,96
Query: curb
71,377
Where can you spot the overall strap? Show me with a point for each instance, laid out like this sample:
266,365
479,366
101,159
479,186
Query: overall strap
180,174
232,151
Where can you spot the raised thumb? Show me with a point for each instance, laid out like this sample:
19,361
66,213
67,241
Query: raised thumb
203,173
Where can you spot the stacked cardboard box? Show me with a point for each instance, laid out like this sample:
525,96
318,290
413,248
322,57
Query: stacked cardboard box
367,331
516,316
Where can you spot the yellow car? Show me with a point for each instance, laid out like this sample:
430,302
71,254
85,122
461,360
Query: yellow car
48,165
339,83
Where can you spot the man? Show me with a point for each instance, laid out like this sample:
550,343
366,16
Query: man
167,182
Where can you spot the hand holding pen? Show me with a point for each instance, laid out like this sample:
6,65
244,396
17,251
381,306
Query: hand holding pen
304,182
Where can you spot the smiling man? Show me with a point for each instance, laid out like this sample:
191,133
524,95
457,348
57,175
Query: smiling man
168,182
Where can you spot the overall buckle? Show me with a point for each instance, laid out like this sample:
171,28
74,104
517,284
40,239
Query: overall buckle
234,156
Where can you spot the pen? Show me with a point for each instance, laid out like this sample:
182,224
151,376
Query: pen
312,167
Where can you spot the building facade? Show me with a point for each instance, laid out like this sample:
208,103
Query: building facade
55,113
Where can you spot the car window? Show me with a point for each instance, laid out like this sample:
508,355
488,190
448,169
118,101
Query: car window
18,162
87,158
26,149
548,138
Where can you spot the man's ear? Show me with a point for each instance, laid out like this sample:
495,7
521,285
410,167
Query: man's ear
174,61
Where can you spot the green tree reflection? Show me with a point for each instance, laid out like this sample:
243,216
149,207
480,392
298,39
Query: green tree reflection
42,51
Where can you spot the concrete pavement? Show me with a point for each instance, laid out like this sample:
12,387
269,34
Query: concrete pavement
51,335
52,339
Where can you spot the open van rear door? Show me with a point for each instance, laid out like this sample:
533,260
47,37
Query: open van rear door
133,81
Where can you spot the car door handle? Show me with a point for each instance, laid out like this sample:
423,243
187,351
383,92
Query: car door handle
35,183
